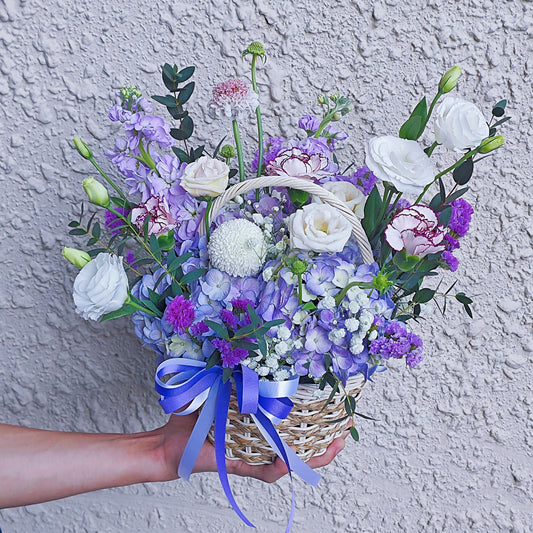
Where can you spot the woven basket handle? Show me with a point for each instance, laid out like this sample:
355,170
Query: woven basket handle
303,185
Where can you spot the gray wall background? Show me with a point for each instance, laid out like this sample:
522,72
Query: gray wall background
452,448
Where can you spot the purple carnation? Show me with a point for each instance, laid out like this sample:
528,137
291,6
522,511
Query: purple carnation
180,313
450,260
461,217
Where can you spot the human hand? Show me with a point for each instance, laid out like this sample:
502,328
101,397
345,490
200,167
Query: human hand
173,438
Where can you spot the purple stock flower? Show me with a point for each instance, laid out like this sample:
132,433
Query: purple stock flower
461,216
151,127
230,356
180,313
450,260
397,342
272,147
309,124
363,178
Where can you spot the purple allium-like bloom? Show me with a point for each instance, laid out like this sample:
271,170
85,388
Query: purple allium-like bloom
130,257
272,147
461,216
241,304
112,221
199,328
180,313
363,178
451,243
450,260
397,342
309,124
230,356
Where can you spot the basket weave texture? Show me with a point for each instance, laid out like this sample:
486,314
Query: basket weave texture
307,430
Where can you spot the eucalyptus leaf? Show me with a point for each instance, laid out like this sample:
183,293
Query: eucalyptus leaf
185,93
463,173
185,74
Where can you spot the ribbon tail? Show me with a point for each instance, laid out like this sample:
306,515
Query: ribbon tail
198,434
220,446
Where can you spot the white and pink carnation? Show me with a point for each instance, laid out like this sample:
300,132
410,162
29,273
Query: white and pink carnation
161,221
296,163
416,230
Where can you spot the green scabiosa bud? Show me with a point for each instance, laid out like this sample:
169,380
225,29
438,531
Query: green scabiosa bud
227,151
449,80
96,192
77,257
82,148
298,267
491,143
255,49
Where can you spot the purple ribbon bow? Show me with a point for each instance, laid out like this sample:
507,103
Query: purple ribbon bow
266,402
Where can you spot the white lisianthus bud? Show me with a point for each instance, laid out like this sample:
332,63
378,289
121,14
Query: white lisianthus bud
96,192
205,177
450,79
100,287
459,124
82,148
490,144
401,162
319,228
77,257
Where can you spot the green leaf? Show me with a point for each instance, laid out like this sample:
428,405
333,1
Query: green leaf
198,152
213,360
468,310
96,251
169,79
261,342
500,122
298,198
463,298
219,329
445,216
226,374
193,275
185,74
463,173
154,296
181,154
126,309
185,93
187,126
334,390
92,241
354,434
153,242
96,230
436,201
309,306
349,405
142,261
254,319
219,146
168,101
423,296
77,231
456,194
372,209
414,125
366,417
73,224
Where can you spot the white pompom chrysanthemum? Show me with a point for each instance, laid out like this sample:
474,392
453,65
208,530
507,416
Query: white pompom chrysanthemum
237,247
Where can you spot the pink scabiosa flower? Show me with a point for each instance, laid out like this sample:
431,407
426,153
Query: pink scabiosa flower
416,230
233,98
180,313
295,163
161,221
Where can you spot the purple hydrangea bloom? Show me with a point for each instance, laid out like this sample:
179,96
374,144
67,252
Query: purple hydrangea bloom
316,340
148,281
216,285
319,280
152,331
461,216
450,260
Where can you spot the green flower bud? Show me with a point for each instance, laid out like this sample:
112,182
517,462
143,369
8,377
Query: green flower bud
82,148
166,241
322,99
255,48
449,80
334,97
337,115
96,192
381,283
130,91
77,257
227,151
298,267
491,143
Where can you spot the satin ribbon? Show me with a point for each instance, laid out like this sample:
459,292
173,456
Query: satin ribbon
267,402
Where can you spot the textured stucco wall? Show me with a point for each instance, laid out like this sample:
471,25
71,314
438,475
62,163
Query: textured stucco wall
452,450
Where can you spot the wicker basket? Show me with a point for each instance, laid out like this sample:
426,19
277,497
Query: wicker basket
307,429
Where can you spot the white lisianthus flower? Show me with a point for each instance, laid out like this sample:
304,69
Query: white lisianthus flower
348,193
319,228
205,177
459,124
401,162
237,247
100,287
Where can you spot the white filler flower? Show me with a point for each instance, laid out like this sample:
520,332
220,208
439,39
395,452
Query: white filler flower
238,248
100,287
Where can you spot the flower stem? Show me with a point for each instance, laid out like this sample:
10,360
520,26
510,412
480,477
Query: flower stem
431,148
449,169
259,127
300,290
206,217
143,309
147,158
439,94
107,178
238,144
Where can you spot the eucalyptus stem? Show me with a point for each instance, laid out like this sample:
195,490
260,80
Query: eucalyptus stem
107,178
449,169
238,145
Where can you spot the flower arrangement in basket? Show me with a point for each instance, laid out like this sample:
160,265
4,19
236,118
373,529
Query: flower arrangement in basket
273,291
